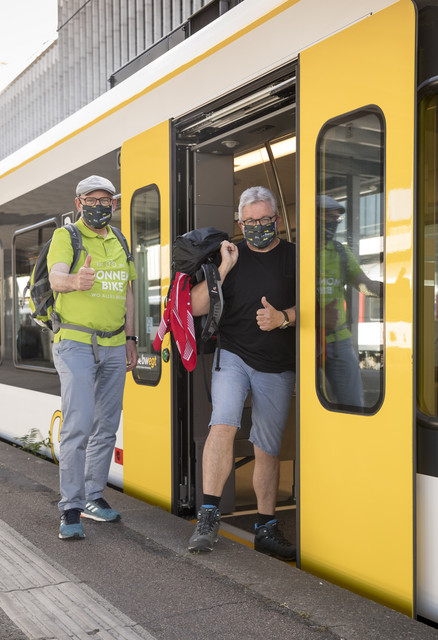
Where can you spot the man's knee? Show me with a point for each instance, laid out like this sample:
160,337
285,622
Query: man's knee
224,432
261,454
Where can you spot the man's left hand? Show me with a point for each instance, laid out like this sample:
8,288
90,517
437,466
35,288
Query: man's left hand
268,317
131,355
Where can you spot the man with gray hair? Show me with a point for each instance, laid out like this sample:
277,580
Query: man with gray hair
257,355
93,348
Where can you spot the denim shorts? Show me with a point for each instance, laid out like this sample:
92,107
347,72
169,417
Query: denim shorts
271,394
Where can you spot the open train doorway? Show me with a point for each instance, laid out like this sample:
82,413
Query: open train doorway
243,140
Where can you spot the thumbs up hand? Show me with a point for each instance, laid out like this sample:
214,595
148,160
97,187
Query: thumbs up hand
85,276
268,317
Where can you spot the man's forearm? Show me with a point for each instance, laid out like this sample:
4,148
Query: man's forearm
200,299
62,282
367,286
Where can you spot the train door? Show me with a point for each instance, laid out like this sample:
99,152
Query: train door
356,424
147,415
427,318
245,139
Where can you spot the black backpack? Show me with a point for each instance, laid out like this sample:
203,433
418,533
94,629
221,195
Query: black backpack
197,253
41,296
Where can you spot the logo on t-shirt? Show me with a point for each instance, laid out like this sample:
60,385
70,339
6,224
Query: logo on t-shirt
327,286
112,279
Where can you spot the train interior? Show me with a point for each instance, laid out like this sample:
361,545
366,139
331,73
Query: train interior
245,140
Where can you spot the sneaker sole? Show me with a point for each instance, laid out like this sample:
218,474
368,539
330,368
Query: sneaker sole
202,546
75,536
91,516
276,555
202,549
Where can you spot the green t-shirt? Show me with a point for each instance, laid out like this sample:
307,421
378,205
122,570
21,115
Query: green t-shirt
331,285
102,307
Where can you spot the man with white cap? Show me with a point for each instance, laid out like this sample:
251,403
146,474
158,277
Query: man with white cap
337,267
94,346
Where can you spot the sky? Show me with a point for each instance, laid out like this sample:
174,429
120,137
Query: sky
26,28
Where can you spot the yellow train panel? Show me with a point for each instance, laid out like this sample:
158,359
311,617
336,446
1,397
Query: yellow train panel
356,493
147,409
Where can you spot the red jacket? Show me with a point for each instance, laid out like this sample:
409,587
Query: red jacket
177,317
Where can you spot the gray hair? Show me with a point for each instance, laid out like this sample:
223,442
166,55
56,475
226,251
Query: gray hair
257,194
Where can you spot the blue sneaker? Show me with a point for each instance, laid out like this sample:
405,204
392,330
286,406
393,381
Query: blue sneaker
71,526
100,510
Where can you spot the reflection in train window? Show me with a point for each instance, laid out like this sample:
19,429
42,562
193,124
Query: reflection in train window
33,344
145,246
350,262
427,274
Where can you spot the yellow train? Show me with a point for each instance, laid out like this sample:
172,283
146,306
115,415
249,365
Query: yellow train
307,97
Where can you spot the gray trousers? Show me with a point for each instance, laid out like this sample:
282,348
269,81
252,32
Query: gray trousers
91,398
343,373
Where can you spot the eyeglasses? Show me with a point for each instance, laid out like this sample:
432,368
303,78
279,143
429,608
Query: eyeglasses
91,202
263,221
332,217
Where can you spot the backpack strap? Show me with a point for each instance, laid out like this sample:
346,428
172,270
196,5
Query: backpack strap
39,307
57,325
340,250
76,243
121,238
210,324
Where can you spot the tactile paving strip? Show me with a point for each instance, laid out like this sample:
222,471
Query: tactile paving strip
46,604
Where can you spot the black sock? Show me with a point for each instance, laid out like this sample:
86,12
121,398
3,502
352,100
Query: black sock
262,518
210,500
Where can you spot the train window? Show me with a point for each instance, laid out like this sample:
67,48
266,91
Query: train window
145,240
33,345
427,283
2,303
350,262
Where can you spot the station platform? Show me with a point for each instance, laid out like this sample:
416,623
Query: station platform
135,579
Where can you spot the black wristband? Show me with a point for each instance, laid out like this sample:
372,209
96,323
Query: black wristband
286,323
135,338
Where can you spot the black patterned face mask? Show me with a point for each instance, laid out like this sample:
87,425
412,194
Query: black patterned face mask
260,235
97,216
330,229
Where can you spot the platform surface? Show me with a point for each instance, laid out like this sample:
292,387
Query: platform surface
135,579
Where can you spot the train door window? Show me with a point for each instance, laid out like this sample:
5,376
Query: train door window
350,262
427,298
145,220
32,344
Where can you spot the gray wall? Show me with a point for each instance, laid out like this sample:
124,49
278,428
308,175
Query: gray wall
95,39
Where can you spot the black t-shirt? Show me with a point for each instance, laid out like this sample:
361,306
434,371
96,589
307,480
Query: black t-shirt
257,274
